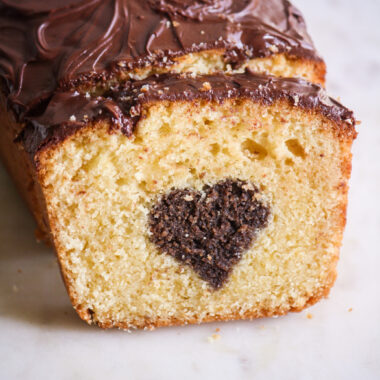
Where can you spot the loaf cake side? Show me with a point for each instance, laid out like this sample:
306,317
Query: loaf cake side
282,143
22,169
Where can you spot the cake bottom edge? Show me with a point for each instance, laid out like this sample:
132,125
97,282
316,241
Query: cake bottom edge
152,323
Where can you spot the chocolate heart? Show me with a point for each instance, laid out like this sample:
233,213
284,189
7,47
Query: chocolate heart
208,230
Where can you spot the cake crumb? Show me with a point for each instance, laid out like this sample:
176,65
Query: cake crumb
217,329
15,289
309,316
248,53
273,49
247,186
175,23
349,121
213,338
206,86
73,118
145,88
350,309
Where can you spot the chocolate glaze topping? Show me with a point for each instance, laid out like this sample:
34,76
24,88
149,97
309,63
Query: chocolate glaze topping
47,44
68,111
209,230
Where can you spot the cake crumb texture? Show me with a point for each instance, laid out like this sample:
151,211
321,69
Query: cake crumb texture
100,187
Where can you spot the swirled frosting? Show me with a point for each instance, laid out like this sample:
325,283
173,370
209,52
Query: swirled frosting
45,45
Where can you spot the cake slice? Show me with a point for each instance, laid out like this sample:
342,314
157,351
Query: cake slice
181,199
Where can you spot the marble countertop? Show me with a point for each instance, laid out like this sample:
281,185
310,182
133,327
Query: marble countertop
339,338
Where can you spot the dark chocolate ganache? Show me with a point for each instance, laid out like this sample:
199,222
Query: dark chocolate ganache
50,44
124,104
209,230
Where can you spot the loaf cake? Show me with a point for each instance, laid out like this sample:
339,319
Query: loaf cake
179,175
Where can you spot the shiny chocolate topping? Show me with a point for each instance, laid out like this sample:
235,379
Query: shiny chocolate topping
45,45
124,104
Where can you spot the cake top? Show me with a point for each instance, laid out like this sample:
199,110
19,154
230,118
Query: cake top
123,104
49,44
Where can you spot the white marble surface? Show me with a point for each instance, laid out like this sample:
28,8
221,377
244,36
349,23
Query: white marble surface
42,338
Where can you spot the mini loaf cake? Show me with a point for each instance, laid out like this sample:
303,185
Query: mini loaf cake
176,184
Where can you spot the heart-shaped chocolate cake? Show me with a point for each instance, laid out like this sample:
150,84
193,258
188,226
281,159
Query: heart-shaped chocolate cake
209,229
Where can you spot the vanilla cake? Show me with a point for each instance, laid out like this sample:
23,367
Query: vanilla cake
177,180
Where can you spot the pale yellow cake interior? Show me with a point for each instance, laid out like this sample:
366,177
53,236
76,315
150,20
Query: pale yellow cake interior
100,187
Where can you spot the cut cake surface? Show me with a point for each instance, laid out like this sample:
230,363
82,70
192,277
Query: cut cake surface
281,144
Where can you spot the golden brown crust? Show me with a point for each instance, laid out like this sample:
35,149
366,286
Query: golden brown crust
319,70
313,71
20,166
151,324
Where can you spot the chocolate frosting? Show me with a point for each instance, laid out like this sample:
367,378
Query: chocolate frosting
45,45
123,104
